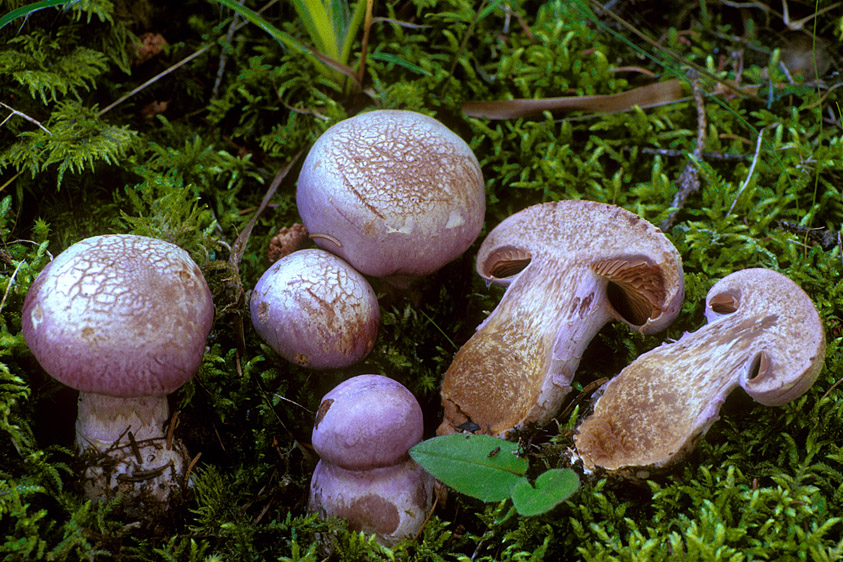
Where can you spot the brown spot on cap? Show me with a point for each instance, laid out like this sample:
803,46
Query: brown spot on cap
323,409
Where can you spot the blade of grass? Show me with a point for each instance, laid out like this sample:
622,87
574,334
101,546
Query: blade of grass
30,8
319,26
290,42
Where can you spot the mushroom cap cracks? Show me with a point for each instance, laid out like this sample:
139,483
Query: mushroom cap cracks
315,310
119,315
392,192
763,334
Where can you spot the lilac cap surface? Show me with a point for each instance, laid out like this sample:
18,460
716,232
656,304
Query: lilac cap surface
395,193
367,421
315,310
119,315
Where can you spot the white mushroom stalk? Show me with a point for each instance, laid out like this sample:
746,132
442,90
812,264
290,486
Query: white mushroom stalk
569,268
123,319
764,334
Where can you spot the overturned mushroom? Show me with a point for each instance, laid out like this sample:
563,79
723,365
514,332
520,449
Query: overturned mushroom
569,267
763,334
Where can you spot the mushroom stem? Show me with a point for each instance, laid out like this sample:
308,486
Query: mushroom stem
527,350
389,501
763,334
670,407
122,442
103,420
569,267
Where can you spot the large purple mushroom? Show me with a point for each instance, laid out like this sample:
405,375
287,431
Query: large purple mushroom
395,193
123,319
363,432
315,310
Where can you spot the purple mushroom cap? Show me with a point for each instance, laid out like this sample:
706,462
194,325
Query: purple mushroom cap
315,310
395,193
367,421
119,315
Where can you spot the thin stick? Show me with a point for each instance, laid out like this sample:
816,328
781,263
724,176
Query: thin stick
155,78
224,55
426,519
9,286
367,25
689,180
751,169
190,467
21,114
172,68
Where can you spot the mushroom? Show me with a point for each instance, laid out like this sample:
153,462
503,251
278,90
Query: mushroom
394,193
123,319
763,334
569,267
315,310
364,429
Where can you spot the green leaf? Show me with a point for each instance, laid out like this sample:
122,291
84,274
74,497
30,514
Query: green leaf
479,466
551,488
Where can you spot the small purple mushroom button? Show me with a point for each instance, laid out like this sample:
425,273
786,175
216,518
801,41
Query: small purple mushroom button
364,429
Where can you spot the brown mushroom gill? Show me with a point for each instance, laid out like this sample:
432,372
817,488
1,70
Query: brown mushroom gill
763,334
519,364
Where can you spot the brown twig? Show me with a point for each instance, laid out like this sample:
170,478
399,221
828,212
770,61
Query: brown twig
426,519
825,238
235,285
364,46
689,180
587,391
190,467
171,429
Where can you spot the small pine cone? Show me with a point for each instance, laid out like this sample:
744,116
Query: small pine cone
288,240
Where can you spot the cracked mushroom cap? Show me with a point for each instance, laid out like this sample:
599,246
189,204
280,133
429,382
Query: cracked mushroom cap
763,334
315,310
569,267
394,193
119,315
